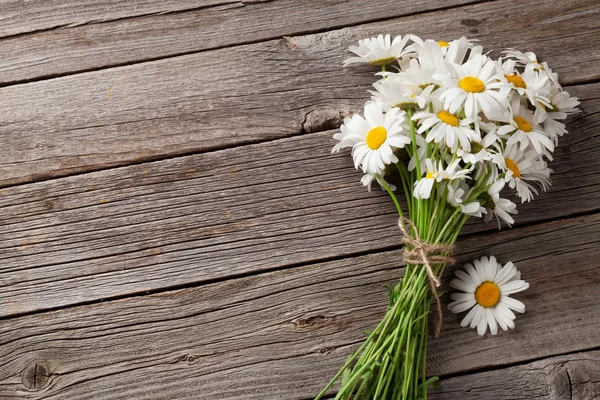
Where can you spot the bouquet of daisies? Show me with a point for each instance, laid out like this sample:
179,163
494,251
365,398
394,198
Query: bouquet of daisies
453,127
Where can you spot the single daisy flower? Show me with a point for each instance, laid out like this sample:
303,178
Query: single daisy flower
524,130
443,125
561,105
524,59
458,192
481,150
486,293
419,78
532,84
437,173
380,50
394,93
475,85
521,168
373,138
529,60
433,53
496,206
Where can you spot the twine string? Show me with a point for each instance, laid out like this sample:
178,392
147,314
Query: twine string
419,252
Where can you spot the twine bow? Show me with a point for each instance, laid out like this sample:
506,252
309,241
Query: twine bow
419,252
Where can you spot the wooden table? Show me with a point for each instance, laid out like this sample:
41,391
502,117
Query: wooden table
173,225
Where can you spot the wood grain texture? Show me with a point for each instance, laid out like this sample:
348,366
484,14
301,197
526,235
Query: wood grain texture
19,17
211,24
210,216
245,94
283,334
571,377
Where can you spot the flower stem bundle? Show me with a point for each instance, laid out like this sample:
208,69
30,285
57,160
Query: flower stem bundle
452,127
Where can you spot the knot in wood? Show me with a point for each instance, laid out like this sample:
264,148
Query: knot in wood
36,376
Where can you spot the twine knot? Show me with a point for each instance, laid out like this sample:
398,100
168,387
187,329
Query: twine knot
419,252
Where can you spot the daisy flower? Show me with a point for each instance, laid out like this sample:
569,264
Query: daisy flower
521,168
529,60
380,50
524,59
486,293
458,191
480,149
525,131
532,84
394,93
445,126
423,186
418,77
561,106
373,138
496,206
433,53
475,85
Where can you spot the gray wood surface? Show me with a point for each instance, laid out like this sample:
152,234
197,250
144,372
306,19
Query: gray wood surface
164,30
571,377
19,17
283,334
216,215
244,94
175,227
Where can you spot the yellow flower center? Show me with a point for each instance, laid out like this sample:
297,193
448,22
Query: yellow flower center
510,164
443,44
471,84
430,175
487,294
376,137
523,124
447,118
516,80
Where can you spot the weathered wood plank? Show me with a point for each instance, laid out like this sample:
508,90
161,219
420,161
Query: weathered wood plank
245,93
196,218
573,377
283,334
83,46
18,17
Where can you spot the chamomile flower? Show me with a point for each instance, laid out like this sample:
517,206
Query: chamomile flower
418,77
373,138
481,150
432,53
525,131
475,85
531,83
457,192
561,104
437,173
486,289
496,206
445,126
522,169
524,59
380,50
394,93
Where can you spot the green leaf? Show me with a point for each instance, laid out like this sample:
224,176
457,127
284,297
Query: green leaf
431,382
